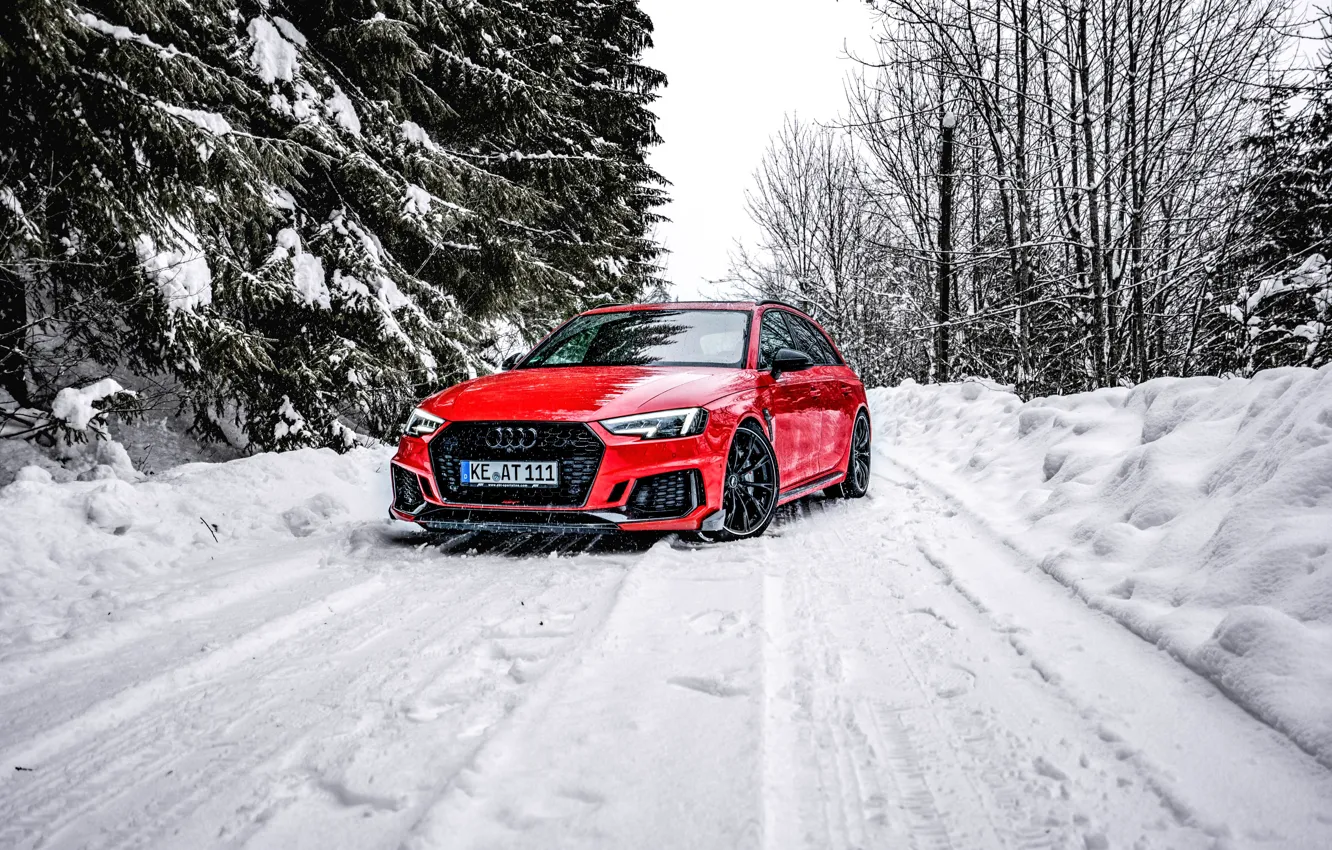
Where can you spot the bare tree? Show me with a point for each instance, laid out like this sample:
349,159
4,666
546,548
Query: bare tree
824,245
1098,158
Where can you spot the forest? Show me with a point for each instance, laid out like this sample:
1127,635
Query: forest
285,221
1059,195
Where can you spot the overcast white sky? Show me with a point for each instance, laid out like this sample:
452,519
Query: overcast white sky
735,68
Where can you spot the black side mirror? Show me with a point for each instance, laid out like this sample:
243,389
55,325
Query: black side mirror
510,361
790,360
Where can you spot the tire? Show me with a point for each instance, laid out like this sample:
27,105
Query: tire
750,489
857,481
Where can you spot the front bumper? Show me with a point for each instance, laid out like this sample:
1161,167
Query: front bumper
615,500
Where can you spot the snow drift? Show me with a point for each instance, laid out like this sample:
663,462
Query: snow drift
1197,512
82,553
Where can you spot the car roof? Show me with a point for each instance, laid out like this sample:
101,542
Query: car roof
697,305
678,305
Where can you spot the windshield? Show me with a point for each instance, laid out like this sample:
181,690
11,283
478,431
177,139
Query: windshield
648,338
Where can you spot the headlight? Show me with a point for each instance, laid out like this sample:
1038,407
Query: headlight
421,424
686,422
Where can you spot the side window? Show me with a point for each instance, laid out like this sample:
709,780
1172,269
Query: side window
812,342
834,359
773,334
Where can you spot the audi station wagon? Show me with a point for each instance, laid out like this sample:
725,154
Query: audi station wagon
698,418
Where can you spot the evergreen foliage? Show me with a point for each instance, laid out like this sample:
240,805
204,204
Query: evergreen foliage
307,214
1281,298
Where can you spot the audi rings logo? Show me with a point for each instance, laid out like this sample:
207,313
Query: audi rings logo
511,439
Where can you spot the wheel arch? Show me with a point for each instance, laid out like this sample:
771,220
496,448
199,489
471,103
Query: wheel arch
757,421
863,407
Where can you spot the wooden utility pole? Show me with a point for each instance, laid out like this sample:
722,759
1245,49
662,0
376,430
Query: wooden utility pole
943,313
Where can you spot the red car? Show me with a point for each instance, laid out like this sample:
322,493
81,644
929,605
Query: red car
686,417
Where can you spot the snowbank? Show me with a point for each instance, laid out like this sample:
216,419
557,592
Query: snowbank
80,552
1197,512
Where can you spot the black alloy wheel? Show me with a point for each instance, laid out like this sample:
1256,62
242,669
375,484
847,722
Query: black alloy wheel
749,492
857,481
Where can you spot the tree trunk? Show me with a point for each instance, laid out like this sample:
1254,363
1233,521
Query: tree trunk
13,336
1026,370
1093,205
1135,166
1111,270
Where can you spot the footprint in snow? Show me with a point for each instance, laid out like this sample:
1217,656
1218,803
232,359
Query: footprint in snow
350,798
951,681
720,623
564,805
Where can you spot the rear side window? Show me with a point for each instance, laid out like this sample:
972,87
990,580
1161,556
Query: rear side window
773,335
812,341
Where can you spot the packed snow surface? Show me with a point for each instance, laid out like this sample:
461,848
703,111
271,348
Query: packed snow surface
247,654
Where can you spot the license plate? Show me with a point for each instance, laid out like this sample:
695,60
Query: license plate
511,473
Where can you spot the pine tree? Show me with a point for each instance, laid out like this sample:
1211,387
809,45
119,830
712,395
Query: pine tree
1286,220
1282,301
307,214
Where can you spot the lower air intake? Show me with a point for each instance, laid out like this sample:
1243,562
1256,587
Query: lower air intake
406,490
665,496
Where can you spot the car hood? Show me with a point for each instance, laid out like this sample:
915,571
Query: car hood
584,393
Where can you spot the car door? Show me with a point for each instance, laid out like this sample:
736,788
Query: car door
843,406
848,396
825,385
789,403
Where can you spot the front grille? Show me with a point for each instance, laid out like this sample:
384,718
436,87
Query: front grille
573,444
406,489
664,496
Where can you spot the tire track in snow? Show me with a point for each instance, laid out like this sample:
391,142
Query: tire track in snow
234,711
34,663
781,795
644,735
872,786
78,677
328,789
912,748
195,588
453,793
1149,632
1183,755
105,752
66,678
326,777
139,698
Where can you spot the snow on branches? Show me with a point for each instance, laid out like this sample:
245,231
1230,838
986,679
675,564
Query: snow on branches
294,207
1284,319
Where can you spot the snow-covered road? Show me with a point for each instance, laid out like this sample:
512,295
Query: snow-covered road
885,673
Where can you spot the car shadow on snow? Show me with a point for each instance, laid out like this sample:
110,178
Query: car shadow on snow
544,545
